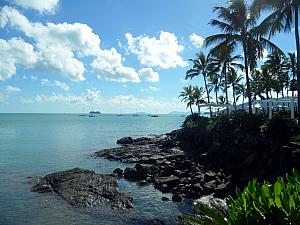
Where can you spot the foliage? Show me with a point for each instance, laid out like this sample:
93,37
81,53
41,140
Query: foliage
265,204
195,120
281,127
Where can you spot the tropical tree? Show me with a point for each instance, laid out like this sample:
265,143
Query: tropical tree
292,65
277,66
235,79
201,66
187,96
214,85
198,94
238,21
228,64
284,14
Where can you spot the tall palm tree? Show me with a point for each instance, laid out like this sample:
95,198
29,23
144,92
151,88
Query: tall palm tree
276,64
234,79
213,84
238,21
292,65
285,14
187,96
223,58
201,66
198,97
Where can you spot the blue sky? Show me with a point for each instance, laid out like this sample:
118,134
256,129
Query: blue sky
65,55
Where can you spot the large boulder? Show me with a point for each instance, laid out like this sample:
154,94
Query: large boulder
83,188
130,173
125,141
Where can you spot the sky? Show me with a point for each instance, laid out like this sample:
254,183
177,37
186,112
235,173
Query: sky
63,56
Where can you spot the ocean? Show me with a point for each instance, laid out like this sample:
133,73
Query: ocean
33,145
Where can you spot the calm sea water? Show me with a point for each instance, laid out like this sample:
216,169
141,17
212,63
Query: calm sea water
37,144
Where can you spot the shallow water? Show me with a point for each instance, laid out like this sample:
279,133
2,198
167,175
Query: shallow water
37,144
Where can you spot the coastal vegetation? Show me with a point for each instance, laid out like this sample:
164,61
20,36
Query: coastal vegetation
256,149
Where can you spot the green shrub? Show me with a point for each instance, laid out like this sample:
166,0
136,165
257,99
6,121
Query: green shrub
281,127
195,120
264,204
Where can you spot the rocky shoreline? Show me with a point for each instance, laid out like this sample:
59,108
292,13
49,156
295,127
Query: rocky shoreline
159,161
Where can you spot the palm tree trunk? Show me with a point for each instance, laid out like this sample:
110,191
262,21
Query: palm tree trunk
248,92
216,96
226,91
298,56
191,109
207,92
234,98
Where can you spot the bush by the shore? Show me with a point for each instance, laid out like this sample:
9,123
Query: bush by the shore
259,204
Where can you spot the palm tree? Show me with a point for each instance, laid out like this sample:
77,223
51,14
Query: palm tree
285,14
202,66
234,79
291,63
187,96
239,24
276,64
213,84
223,58
199,97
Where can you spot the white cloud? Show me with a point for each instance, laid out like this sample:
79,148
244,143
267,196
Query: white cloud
55,83
33,77
11,89
110,67
196,40
151,88
131,103
162,52
60,48
42,6
13,52
265,54
149,75
90,96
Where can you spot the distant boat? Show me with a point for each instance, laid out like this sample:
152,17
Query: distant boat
153,115
94,113
82,113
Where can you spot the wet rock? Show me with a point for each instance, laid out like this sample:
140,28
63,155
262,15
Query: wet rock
155,222
143,171
130,173
83,188
165,199
125,141
118,171
142,182
211,202
177,198
171,181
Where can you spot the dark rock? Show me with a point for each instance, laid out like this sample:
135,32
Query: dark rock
143,171
142,182
165,199
118,171
171,181
155,222
125,141
177,198
130,173
82,188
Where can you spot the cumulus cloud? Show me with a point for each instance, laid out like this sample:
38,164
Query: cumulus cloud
151,88
55,83
162,52
13,52
149,104
11,89
90,96
149,75
42,6
108,65
60,48
196,40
